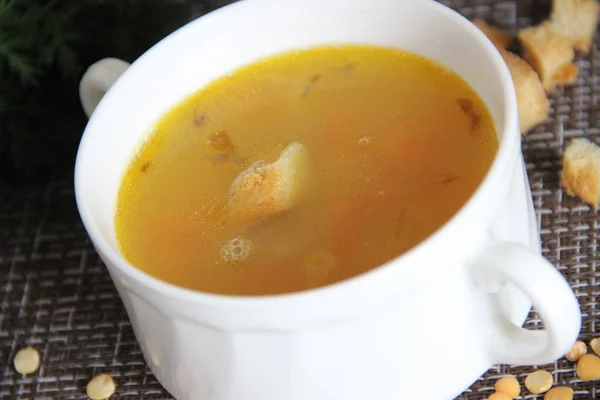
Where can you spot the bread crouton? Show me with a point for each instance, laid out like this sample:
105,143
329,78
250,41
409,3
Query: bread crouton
550,55
581,171
576,20
265,190
501,39
532,102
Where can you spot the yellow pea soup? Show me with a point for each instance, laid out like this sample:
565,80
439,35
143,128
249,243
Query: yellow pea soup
303,169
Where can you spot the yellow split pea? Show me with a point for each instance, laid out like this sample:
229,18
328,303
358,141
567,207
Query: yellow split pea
538,381
595,345
559,393
27,360
509,385
588,367
100,387
578,350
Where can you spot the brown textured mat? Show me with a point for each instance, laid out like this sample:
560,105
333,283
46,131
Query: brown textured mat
55,293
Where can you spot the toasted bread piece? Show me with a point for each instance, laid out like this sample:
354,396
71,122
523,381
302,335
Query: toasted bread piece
501,39
531,98
264,190
576,20
581,171
549,54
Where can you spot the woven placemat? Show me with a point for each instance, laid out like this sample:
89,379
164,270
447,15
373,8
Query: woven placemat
56,295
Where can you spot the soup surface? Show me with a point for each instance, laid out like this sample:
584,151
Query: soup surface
302,170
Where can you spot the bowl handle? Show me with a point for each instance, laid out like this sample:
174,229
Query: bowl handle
96,81
550,294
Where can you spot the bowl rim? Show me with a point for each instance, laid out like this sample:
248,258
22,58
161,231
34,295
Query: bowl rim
509,139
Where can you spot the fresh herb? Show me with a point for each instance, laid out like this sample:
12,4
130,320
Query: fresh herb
45,46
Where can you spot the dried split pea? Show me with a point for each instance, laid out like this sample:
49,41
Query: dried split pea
509,385
500,396
27,360
559,393
100,387
588,367
538,381
578,350
595,345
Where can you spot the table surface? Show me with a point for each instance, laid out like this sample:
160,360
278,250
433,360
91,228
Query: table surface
56,295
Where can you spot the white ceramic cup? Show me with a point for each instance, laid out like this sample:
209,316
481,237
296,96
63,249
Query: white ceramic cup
442,313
